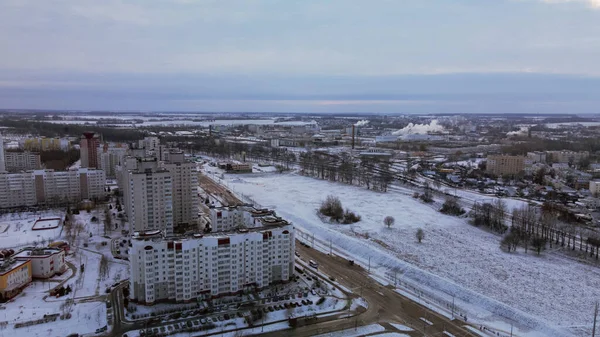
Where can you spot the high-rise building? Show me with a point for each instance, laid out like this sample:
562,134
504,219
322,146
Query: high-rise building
185,188
2,165
22,161
109,157
88,149
148,197
209,265
50,187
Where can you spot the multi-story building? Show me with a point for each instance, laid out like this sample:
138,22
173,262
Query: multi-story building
595,187
109,158
2,164
566,156
88,149
45,262
14,276
149,144
223,219
199,266
537,157
22,161
184,178
45,144
148,196
500,165
48,187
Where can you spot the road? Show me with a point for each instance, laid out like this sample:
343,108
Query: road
385,305
218,191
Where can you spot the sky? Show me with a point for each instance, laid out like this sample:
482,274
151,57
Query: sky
389,56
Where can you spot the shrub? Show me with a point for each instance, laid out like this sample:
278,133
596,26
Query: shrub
452,207
332,207
350,217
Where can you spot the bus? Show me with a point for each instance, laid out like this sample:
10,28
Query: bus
313,264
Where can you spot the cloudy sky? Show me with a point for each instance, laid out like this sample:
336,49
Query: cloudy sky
392,56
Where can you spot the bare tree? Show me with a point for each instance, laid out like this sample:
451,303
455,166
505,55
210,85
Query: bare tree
420,235
103,269
389,221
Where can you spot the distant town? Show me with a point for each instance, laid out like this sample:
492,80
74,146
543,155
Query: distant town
199,224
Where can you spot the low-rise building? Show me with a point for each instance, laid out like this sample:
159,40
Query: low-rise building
14,276
595,187
204,266
45,262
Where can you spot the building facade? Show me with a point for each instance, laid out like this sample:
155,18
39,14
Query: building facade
508,165
45,262
148,197
184,178
88,149
109,158
14,276
22,161
2,164
50,187
185,269
595,187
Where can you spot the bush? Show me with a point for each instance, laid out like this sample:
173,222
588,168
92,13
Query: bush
452,207
332,207
350,217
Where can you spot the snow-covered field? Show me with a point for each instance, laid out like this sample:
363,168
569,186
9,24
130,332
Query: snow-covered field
33,304
546,293
19,232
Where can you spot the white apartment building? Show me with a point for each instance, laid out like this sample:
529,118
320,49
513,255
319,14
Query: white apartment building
109,158
22,161
148,197
184,177
48,186
2,165
150,144
45,262
184,269
232,218
595,187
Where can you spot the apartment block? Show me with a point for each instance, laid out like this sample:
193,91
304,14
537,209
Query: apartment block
109,157
566,156
502,165
204,266
148,196
22,161
2,164
595,187
88,149
223,219
184,178
45,144
50,187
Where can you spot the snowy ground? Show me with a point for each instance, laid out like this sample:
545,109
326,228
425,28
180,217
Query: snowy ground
46,224
31,304
544,293
19,229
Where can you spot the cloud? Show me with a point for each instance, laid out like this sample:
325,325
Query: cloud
591,3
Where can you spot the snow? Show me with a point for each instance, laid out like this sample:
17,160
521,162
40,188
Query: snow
31,304
360,331
19,231
391,334
43,224
454,259
401,327
359,302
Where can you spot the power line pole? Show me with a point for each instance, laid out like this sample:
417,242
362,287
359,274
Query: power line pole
369,264
595,318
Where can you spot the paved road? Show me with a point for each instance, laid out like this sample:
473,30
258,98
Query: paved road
385,305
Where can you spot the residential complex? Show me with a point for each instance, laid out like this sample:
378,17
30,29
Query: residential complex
17,161
109,157
500,165
2,164
48,187
14,276
187,268
45,144
148,196
184,180
88,148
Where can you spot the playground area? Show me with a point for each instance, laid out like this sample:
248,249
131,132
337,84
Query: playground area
29,228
